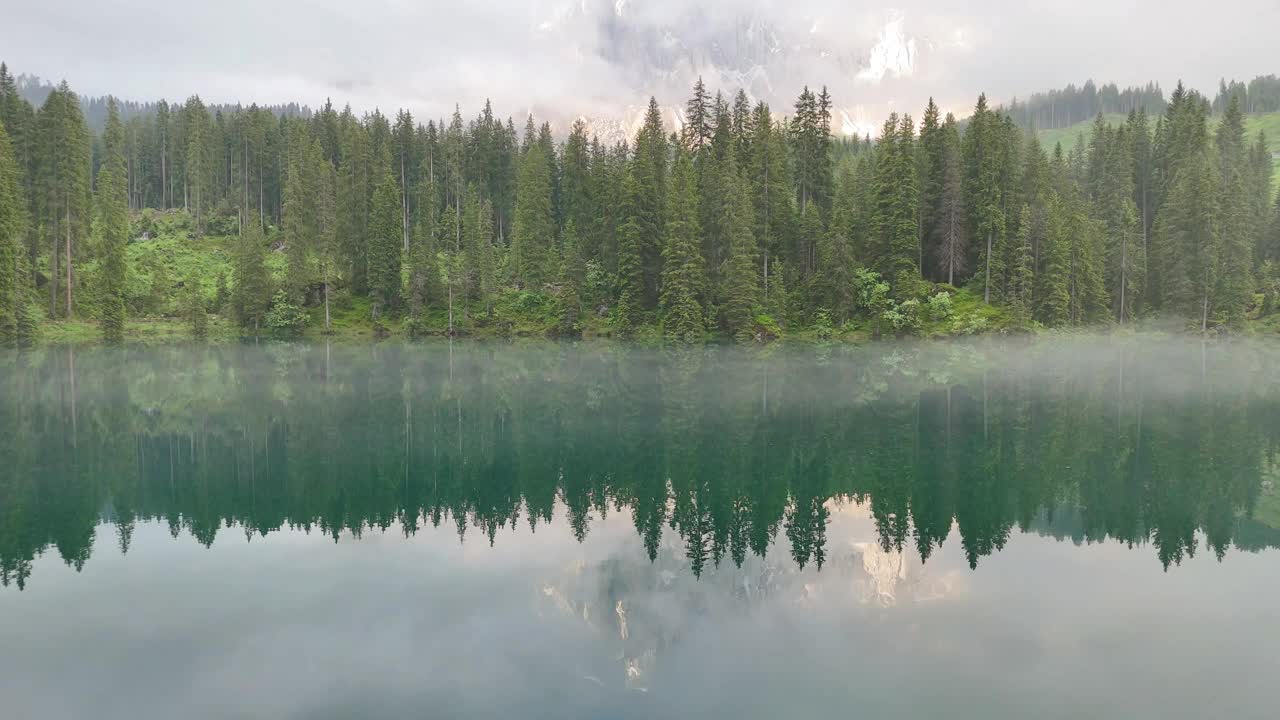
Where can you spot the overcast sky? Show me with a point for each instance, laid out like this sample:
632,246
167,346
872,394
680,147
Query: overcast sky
605,57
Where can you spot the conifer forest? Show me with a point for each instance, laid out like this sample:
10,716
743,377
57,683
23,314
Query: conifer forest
746,222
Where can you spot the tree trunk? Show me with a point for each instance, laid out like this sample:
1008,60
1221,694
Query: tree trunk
53,276
164,170
1124,258
327,329
986,291
68,257
404,205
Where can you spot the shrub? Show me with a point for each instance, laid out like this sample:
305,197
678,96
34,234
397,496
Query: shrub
284,317
940,307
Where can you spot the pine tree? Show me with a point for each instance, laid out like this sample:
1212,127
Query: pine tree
630,264
385,245
810,131
573,273
534,233
682,261
895,227
932,174
1022,269
833,281
65,199
1089,302
354,189
742,276
1233,289
113,226
251,295
405,164
982,153
577,204
1053,280
197,161
649,171
698,124
951,225
13,218
481,266
425,288
193,307
770,195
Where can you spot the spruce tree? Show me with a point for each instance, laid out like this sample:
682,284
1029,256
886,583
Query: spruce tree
13,217
833,281
251,295
1053,280
981,187
385,245
895,225
742,276
951,226
1233,289
65,200
931,156
630,263
112,202
649,171
681,260
534,233
1022,269
193,307
481,264
352,194
425,288
573,275
770,195
577,204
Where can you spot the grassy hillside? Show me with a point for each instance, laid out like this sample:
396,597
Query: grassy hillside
1080,132
1070,136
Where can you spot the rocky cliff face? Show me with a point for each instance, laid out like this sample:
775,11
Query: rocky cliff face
662,51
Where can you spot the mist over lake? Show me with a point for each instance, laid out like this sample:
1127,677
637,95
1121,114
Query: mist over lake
581,530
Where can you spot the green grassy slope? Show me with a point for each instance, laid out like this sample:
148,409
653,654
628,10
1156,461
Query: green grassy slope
1268,123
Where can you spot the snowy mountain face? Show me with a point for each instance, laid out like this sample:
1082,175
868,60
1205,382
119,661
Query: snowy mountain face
772,55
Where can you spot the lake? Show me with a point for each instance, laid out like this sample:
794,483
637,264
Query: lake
1060,528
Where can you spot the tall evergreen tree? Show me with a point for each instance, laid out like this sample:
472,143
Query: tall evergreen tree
573,274
931,158
385,245
1236,230
13,219
950,223
770,194
64,189
1022,269
682,271
630,263
533,241
742,276
981,187
833,281
112,202
895,228
251,295
1053,279
649,171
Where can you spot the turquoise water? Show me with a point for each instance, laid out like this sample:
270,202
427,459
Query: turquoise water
1075,527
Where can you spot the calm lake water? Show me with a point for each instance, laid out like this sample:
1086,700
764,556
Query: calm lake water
1071,528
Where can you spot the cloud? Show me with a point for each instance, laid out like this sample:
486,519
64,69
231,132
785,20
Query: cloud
566,58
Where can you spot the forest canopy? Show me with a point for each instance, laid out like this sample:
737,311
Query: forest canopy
747,221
